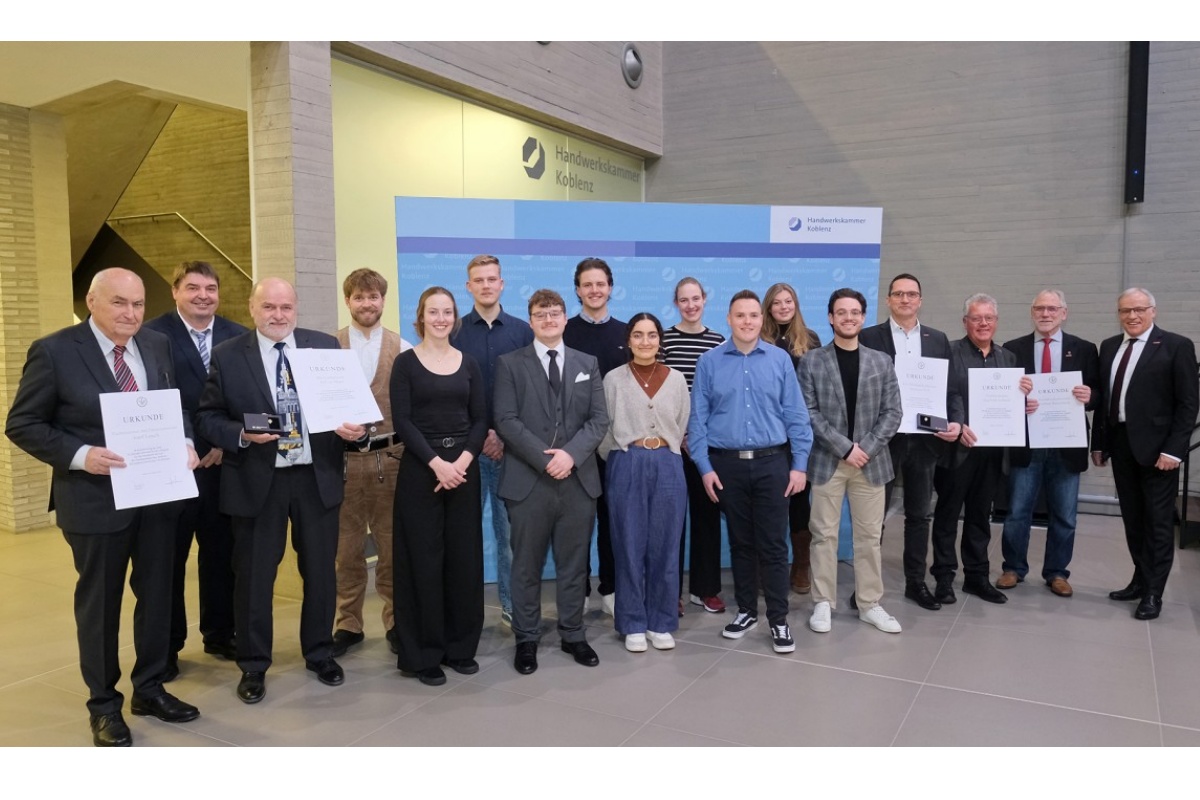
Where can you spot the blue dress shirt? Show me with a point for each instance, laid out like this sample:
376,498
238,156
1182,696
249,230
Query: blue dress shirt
486,343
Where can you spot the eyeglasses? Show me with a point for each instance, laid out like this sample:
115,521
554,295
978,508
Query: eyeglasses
1133,312
904,295
1047,309
542,316
989,320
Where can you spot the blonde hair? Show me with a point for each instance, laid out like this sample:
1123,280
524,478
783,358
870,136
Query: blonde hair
796,332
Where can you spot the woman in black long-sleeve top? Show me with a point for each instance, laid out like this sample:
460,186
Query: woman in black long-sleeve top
439,408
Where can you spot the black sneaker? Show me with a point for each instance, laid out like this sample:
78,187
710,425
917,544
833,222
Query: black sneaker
744,621
781,638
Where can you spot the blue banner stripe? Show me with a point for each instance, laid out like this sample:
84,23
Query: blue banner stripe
608,249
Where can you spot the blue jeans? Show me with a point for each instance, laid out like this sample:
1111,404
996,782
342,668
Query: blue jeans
1060,486
489,476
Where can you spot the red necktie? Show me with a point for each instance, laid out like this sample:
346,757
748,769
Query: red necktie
1114,401
121,370
1046,367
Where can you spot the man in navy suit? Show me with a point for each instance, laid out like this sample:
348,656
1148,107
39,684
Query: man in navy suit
55,417
1144,422
1053,471
269,479
194,329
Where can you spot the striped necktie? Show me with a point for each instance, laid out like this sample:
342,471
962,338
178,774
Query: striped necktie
121,370
201,338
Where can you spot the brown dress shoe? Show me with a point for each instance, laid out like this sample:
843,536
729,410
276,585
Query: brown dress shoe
1008,580
1060,586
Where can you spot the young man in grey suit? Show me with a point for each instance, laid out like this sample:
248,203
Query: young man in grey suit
55,417
854,408
550,412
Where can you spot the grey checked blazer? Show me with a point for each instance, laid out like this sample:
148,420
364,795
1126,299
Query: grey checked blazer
876,413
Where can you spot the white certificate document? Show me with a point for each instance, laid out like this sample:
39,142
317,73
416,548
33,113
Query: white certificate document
997,406
1059,420
332,389
146,429
922,389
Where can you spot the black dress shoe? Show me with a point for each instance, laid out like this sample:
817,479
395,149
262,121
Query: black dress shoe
166,707
944,593
393,640
984,590
226,650
463,666
328,672
919,594
433,676
172,669
1134,591
525,662
582,652
252,687
110,730
1149,608
344,640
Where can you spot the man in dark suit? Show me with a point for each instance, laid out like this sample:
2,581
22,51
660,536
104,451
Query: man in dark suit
55,417
1053,471
194,329
1144,423
854,408
915,455
268,479
550,412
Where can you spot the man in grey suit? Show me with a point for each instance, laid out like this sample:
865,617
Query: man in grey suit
854,408
550,412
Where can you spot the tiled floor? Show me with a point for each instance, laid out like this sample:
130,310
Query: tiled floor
1039,670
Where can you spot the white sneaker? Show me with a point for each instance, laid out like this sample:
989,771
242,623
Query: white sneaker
661,641
880,619
608,603
820,621
635,642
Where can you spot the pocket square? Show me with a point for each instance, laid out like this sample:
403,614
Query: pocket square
583,376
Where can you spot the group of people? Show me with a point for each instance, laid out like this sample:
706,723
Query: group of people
562,426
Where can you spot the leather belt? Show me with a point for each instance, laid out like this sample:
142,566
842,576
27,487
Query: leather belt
649,442
746,455
446,442
382,442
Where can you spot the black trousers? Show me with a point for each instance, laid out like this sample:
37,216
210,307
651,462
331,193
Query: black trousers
437,556
969,487
101,561
757,515
258,546
604,552
912,458
1147,498
213,531
704,522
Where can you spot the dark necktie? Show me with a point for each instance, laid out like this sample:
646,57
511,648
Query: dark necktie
121,370
287,405
1114,400
555,376
1046,366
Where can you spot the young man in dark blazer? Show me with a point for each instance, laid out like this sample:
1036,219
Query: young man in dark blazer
194,329
1144,423
268,479
915,455
1054,471
55,417
550,412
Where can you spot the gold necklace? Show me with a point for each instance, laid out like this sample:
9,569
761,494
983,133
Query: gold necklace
644,381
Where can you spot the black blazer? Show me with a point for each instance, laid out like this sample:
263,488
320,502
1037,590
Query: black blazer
1077,354
189,369
1161,402
57,410
237,385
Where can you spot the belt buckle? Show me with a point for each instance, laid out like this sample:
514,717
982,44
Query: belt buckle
658,442
448,442
745,455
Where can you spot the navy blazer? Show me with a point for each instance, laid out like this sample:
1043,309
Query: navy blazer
189,369
237,385
57,410
1077,354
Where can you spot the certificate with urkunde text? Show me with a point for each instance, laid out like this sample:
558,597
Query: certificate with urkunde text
922,389
997,406
146,429
1060,419
332,389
